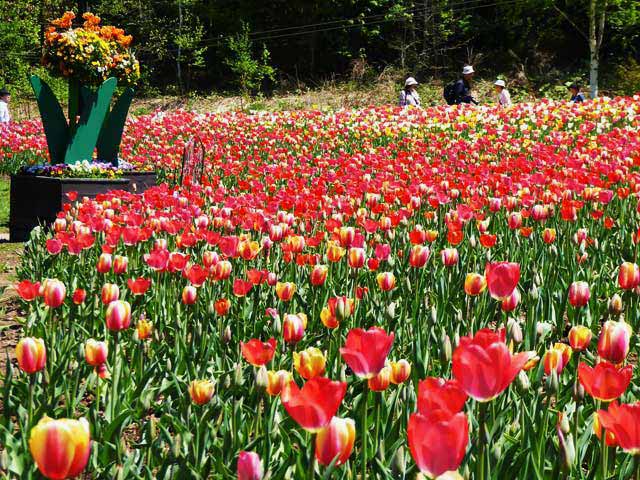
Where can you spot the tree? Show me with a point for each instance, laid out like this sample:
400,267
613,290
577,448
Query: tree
250,71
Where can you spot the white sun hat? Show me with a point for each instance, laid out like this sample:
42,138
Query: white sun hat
467,70
500,83
410,81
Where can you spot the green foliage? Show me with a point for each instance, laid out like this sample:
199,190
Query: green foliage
628,77
250,71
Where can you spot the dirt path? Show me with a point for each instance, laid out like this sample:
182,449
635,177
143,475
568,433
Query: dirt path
9,306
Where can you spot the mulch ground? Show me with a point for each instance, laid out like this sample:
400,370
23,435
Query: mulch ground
9,305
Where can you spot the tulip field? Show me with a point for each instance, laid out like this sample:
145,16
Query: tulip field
448,293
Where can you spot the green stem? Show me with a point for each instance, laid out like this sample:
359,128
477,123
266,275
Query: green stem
482,439
365,400
30,408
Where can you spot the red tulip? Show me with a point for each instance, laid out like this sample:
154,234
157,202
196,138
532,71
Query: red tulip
623,420
450,257
483,365
28,291
579,294
258,353
249,466
222,306
318,275
510,303
418,256
138,286
438,441
604,382
313,406
440,394
365,351
335,441
79,296
502,278
293,327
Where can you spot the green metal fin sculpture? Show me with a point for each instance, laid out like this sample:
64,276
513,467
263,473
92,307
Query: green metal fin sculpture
54,122
92,117
111,133
97,126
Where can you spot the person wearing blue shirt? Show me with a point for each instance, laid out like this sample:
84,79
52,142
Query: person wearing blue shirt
576,95
462,88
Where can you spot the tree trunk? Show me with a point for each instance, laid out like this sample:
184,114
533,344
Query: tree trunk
179,53
593,50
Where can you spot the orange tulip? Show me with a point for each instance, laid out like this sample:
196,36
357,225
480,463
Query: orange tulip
629,276
201,391
580,337
381,381
118,315
309,363
549,235
400,371
318,275
222,306
334,252
54,293
277,380
60,448
386,281
104,263
474,284
610,437
95,352
110,293
293,327
31,354
285,290
335,441
357,257
120,264
144,328
189,295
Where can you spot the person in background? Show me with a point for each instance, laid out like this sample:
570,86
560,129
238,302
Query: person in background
461,89
5,117
409,94
504,97
576,94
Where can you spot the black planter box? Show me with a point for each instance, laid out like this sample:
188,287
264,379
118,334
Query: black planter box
37,200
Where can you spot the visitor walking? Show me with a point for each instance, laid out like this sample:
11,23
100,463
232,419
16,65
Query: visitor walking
504,97
5,117
460,91
576,94
409,94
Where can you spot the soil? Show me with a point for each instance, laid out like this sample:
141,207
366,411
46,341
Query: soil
9,301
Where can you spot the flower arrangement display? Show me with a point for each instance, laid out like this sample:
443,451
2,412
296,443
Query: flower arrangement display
90,53
94,59
84,169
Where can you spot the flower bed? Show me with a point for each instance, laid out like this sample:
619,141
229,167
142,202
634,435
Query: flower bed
367,294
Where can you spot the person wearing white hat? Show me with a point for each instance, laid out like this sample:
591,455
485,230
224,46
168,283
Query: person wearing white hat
5,117
460,91
504,98
409,94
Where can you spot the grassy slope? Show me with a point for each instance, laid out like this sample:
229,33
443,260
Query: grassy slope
4,204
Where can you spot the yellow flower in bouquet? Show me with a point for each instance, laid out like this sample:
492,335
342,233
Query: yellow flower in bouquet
90,53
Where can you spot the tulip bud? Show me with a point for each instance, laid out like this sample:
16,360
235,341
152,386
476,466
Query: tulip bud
434,315
567,448
523,381
54,293
446,350
399,463
189,295
110,293
226,335
381,381
514,331
118,316
262,378
534,293
104,263
578,392
400,371
176,447
615,304
391,310
237,375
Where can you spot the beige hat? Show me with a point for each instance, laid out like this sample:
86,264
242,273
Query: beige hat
468,70
410,81
500,83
